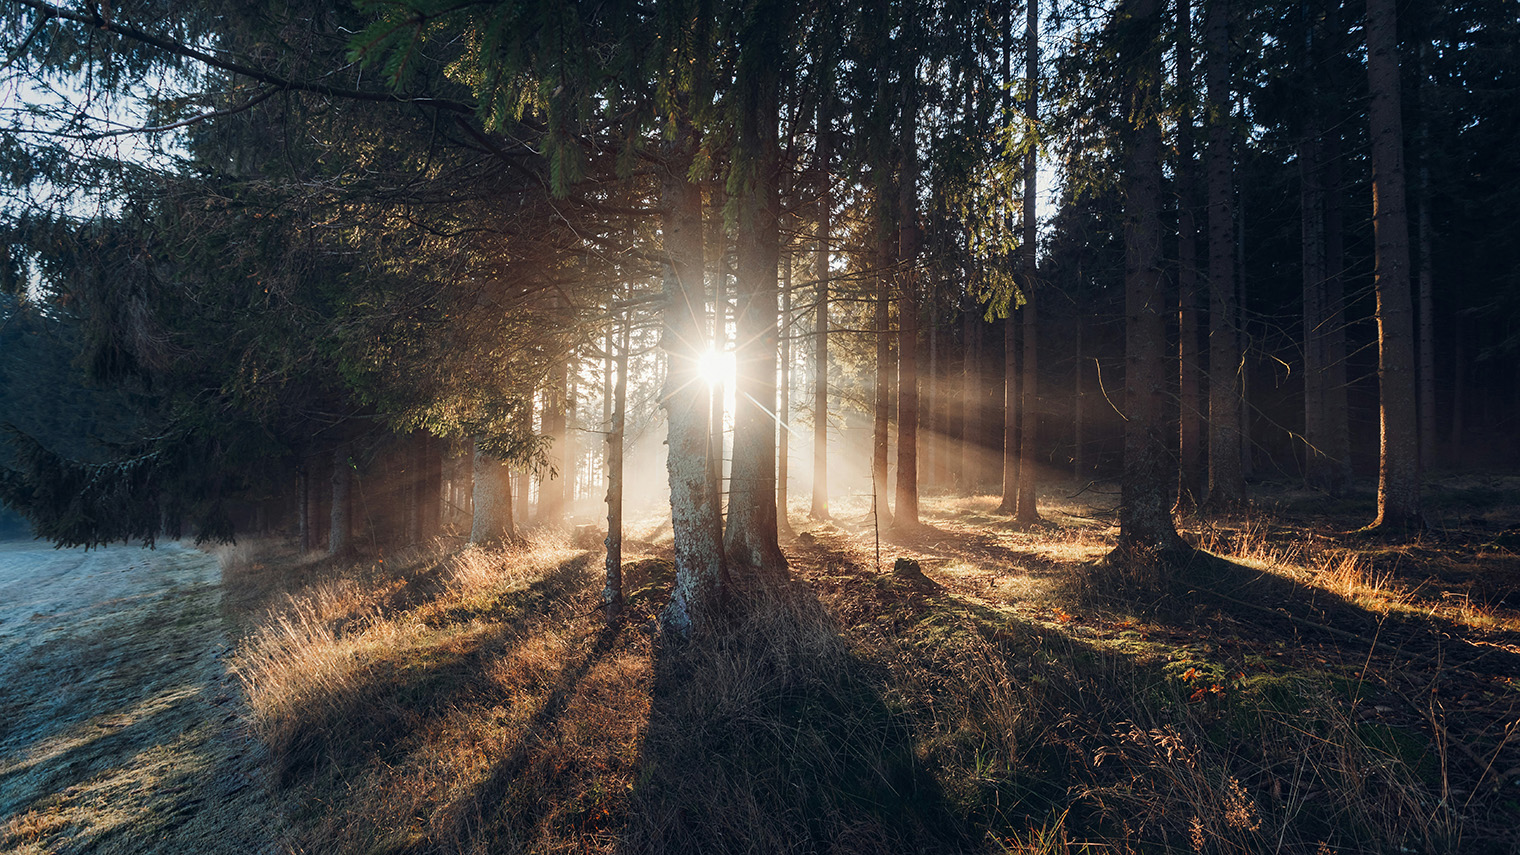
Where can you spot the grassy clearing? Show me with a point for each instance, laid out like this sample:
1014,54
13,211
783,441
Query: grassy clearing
1303,692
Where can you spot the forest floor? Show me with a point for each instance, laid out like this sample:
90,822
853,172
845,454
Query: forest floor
1297,688
120,729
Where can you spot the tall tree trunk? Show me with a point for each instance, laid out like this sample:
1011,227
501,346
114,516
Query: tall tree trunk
784,395
1337,419
1010,498
551,487
429,486
696,526
1028,510
1149,479
820,508
1312,208
971,398
907,310
750,535
303,511
1078,406
717,243
491,503
1226,479
1427,311
882,404
612,590
1398,470
338,540
1190,483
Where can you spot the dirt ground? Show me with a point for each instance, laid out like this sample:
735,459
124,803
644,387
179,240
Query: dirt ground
120,729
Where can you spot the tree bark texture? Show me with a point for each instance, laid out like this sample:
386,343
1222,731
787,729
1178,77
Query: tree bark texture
1149,479
1191,481
1398,470
700,586
491,480
821,272
1226,477
907,312
750,533
338,540
612,589
1028,510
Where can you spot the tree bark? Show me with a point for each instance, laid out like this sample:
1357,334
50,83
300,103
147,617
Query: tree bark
882,404
1311,205
1226,478
303,512
1028,510
750,534
1398,470
1337,419
338,539
971,398
821,271
491,500
696,603
612,590
784,396
906,514
1149,479
1190,482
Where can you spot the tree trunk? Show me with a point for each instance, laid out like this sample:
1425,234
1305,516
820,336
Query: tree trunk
1190,483
303,510
1337,419
1010,487
750,533
696,528
1427,312
1149,480
820,508
338,540
429,486
971,398
1311,205
491,500
1398,470
882,405
907,311
1028,510
784,396
717,242
612,590
1226,479
1078,453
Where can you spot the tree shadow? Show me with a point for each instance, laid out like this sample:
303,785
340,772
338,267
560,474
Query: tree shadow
770,735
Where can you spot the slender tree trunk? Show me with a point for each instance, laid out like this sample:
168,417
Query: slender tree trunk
303,512
1079,404
701,578
907,312
1226,480
882,409
750,535
820,508
491,503
1337,419
1427,312
1010,486
931,406
1398,470
718,246
1311,206
1149,480
338,541
612,590
429,486
971,398
1190,484
1028,510
784,396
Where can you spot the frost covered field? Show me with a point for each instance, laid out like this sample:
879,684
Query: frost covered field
120,729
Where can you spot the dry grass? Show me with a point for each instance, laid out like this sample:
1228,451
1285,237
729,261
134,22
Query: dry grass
472,702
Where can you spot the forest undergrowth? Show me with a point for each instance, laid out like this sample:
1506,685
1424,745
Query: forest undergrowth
1296,688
